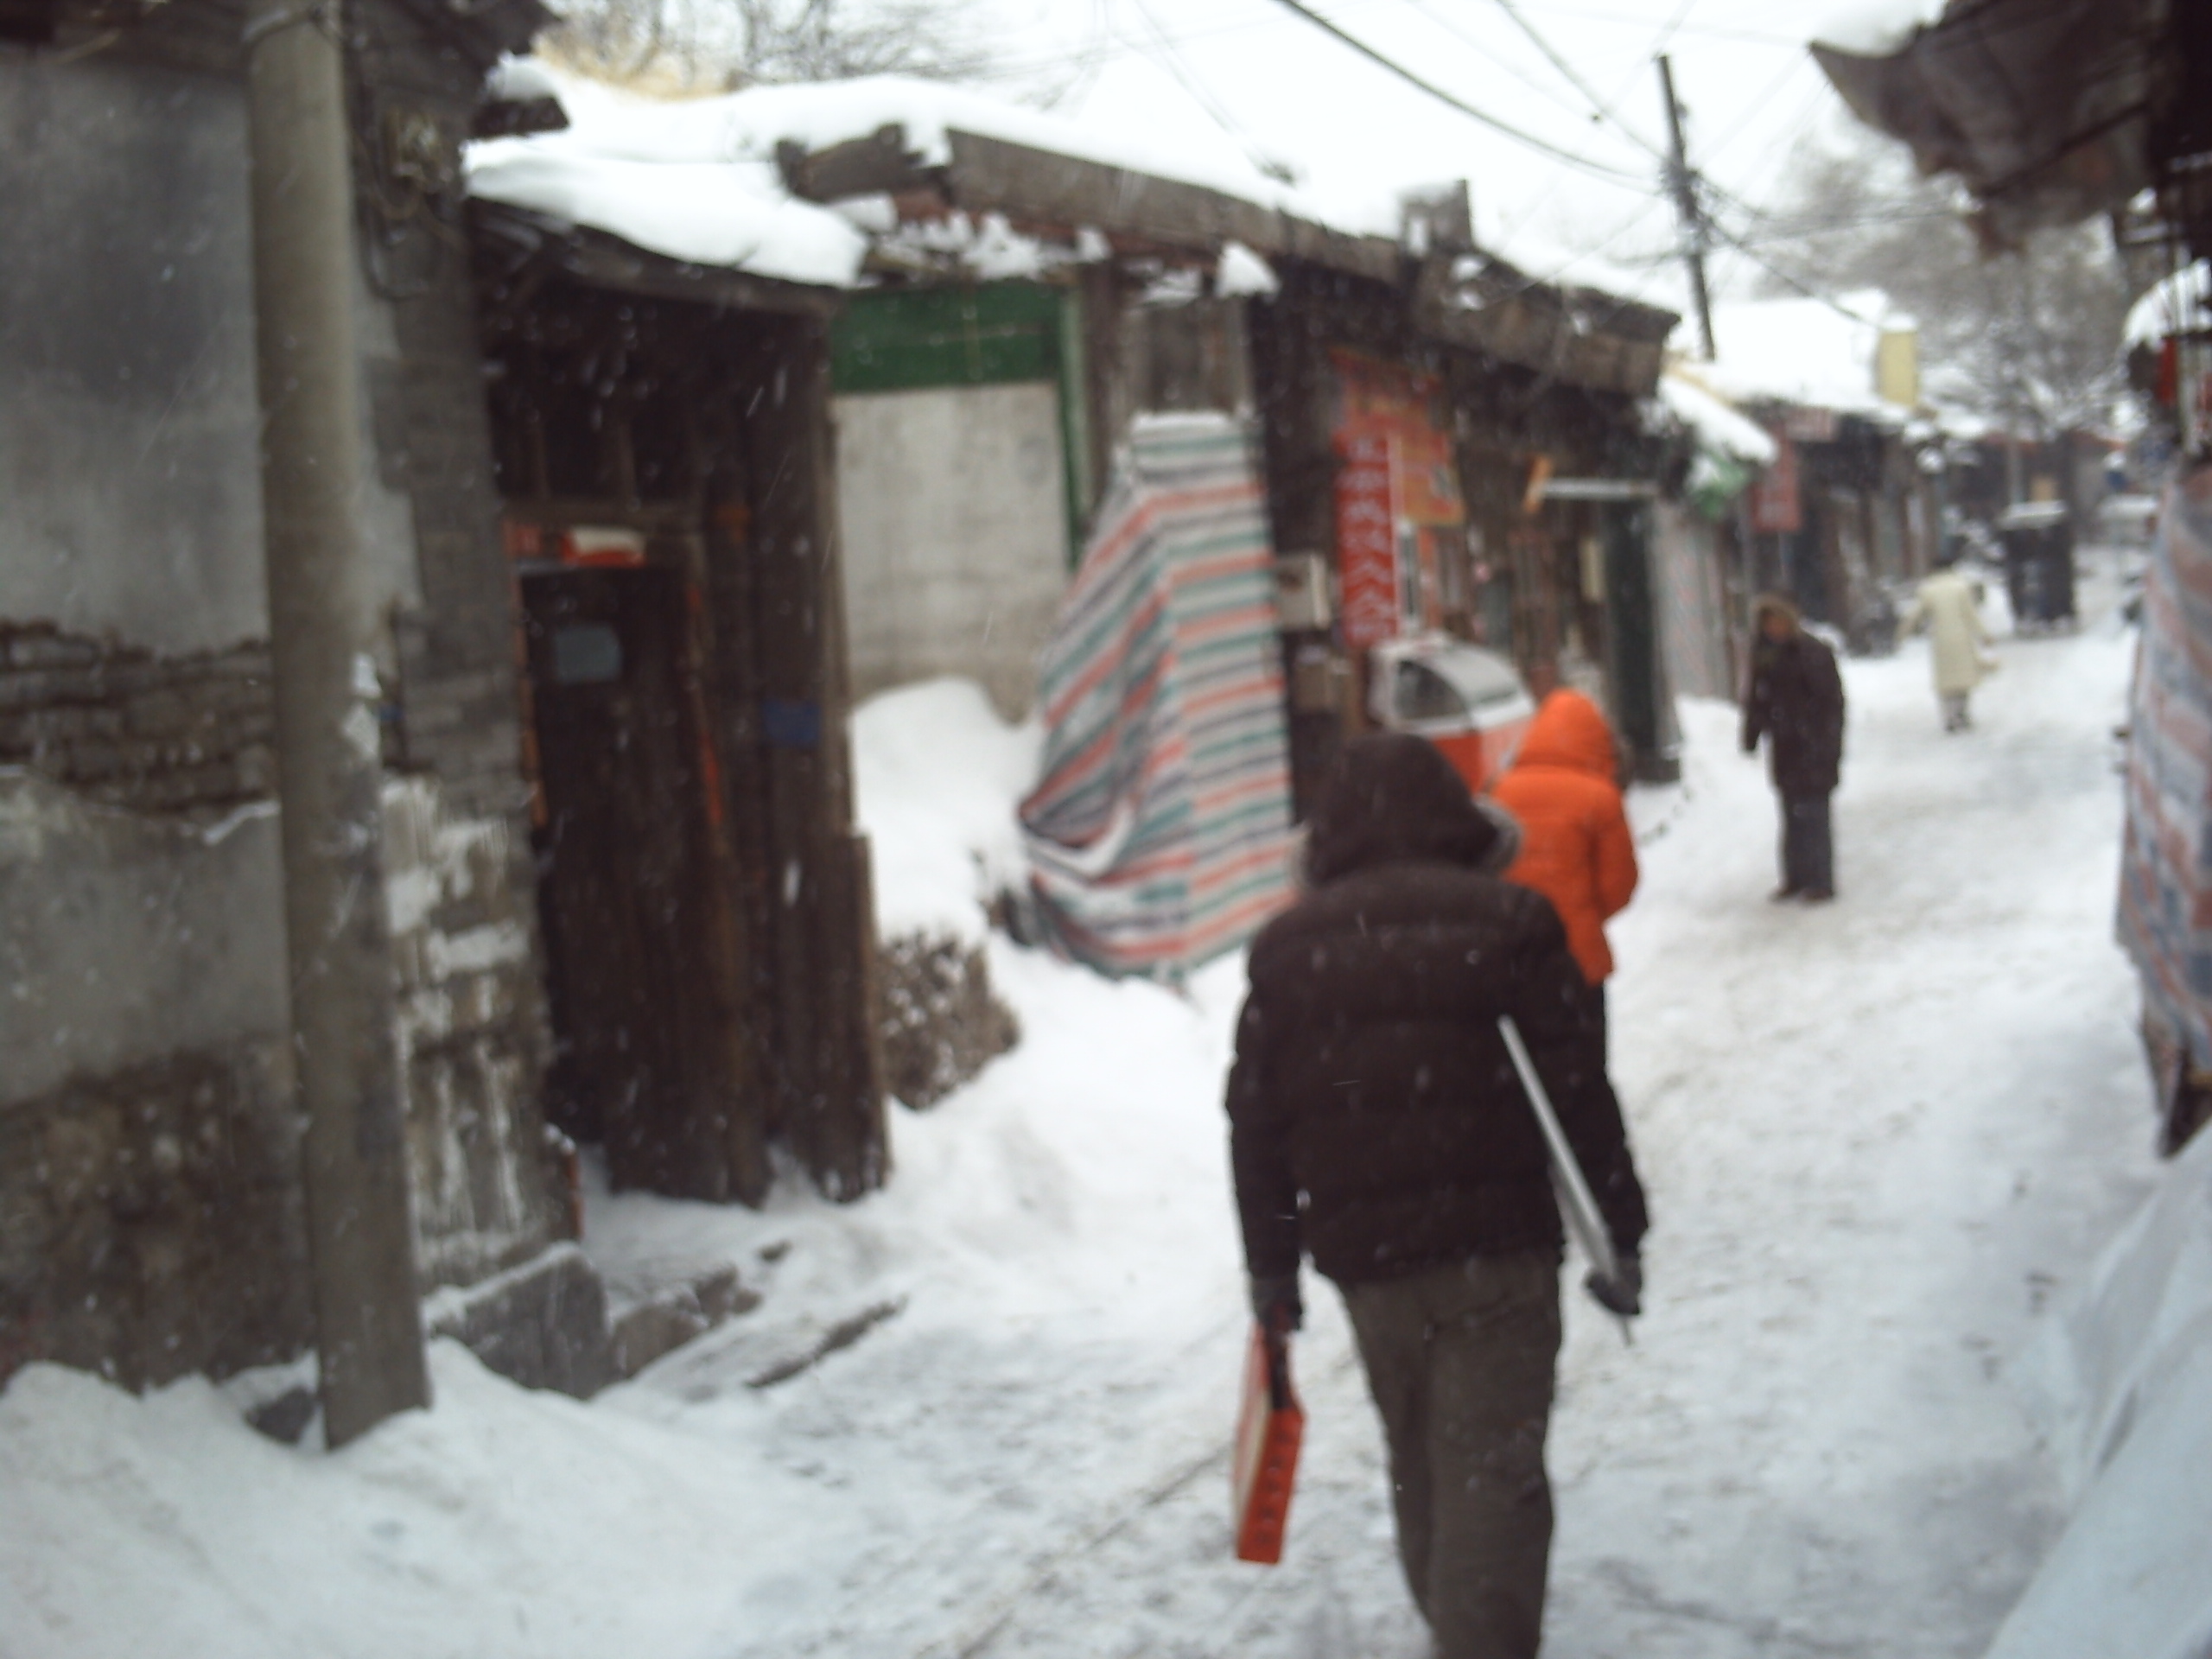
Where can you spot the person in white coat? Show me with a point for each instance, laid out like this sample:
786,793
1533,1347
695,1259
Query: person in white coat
1949,608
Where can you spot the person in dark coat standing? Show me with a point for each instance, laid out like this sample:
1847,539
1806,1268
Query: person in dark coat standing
1377,1124
1794,701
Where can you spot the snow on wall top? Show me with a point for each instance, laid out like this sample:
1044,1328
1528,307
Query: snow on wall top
2172,304
1802,350
696,179
1716,426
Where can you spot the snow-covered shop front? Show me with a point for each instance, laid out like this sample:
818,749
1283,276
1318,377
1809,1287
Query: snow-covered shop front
1023,290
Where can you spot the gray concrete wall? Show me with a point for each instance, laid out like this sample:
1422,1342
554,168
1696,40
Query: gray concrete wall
148,1163
954,511
129,498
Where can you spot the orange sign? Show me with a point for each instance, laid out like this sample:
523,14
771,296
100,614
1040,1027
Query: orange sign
1367,539
1397,487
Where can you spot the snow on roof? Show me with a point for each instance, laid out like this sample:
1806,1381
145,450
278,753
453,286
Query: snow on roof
1716,426
733,213
1874,29
1802,350
2176,302
696,179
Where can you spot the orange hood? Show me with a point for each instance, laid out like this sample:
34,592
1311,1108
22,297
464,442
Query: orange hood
1569,732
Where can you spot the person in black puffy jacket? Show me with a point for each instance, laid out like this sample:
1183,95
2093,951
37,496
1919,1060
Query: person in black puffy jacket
1795,700
1377,1124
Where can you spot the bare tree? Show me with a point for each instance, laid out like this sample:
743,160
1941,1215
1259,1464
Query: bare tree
2031,339
711,45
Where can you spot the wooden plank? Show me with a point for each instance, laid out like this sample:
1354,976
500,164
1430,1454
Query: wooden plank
1040,188
601,260
830,1093
1520,322
880,164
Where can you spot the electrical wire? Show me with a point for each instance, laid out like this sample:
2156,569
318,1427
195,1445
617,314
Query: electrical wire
1599,169
1549,94
1187,78
1604,111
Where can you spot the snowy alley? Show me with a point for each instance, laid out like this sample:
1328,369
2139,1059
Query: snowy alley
1882,1141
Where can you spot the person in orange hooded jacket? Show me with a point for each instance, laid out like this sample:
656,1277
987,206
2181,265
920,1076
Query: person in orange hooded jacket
1575,845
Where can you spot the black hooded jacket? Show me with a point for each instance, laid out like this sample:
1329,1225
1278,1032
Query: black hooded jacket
1796,700
1375,1120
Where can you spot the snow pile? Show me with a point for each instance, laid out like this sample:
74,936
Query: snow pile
2173,306
2134,1439
1717,428
165,1525
936,776
697,179
1040,1313
1802,351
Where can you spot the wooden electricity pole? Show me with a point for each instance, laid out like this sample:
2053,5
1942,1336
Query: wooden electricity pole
323,626
1682,182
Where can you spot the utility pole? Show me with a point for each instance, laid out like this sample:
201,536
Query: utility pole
1691,217
322,631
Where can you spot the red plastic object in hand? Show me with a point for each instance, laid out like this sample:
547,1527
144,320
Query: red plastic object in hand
1270,1424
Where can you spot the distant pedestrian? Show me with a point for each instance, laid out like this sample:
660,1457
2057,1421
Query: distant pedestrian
1949,608
1576,848
1376,1122
1794,701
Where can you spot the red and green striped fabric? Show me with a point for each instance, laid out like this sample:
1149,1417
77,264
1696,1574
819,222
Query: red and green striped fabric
2165,887
1159,835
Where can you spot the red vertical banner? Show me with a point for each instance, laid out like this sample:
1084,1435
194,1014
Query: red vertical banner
1775,506
1397,492
1367,541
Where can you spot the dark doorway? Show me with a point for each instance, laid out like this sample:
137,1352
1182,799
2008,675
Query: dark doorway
644,966
664,468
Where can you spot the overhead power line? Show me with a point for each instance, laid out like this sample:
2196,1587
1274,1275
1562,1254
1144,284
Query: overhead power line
1599,168
1599,106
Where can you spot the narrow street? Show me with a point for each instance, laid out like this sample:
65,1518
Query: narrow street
1882,1139
1884,1142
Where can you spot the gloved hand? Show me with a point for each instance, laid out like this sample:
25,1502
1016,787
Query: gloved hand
1623,1295
1276,1305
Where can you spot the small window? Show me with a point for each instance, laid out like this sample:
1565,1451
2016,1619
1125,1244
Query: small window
586,653
1423,693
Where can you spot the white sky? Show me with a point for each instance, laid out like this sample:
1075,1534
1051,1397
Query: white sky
1281,88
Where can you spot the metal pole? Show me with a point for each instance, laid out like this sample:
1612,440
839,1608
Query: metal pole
1577,1203
323,628
1686,207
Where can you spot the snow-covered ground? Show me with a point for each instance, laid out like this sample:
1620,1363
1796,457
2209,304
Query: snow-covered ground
1883,1140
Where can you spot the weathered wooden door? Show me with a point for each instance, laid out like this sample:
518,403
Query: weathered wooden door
640,931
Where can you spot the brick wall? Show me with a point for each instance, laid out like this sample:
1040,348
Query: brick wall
127,728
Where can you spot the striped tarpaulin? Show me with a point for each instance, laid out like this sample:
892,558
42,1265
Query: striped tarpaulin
1160,834
2165,890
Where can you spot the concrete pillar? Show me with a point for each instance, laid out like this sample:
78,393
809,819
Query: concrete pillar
323,628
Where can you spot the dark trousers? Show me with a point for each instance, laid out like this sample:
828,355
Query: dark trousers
1808,846
1460,1362
1594,1016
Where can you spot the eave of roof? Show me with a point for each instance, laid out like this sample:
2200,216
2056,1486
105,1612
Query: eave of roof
1578,335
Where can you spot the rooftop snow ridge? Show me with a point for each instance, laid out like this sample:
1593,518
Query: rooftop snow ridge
710,180
834,184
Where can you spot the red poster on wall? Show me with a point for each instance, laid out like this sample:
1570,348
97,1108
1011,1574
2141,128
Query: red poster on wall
1367,541
1399,505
